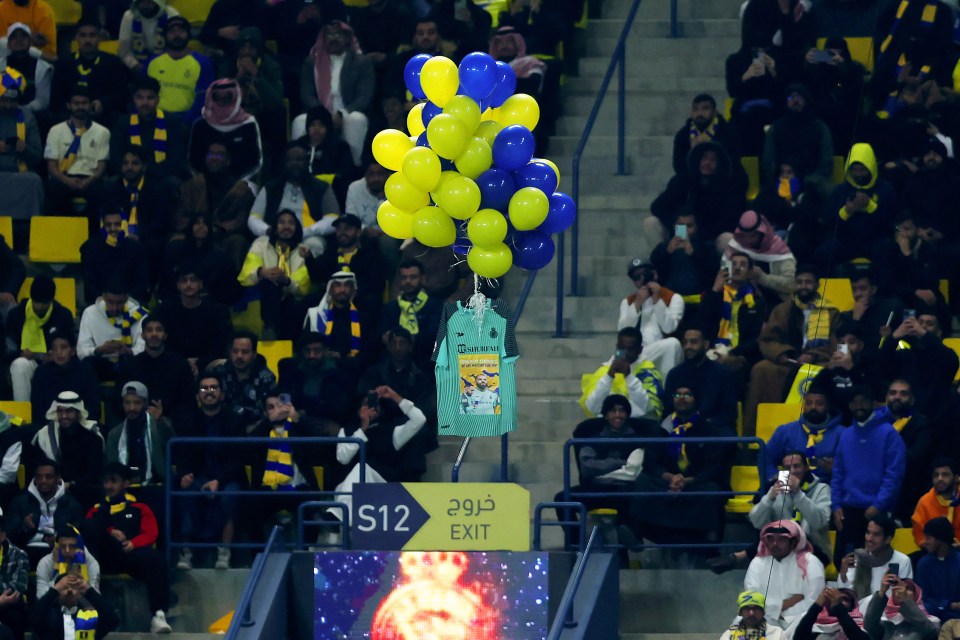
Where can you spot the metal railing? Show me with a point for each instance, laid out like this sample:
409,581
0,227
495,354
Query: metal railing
580,523
245,619
343,524
565,618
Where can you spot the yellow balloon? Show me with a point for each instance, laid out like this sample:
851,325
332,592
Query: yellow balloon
421,168
466,110
394,222
519,109
447,135
528,208
459,196
439,80
404,195
389,147
490,262
552,165
488,131
415,120
490,115
475,158
487,227
433,227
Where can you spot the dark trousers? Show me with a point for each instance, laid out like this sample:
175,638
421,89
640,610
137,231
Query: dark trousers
852,535
145,564
282,313
262,511
60,201
15,618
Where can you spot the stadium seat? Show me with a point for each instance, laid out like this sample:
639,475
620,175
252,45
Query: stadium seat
838,170
56,239
751,164
6,230
743,478
954,344
944,286
861,49
830,571
66,12
771,415
274,351
66,292
903,541
196,11
837,292
21,410
107,46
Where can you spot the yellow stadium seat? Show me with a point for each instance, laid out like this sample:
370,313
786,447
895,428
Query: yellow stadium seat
110,46
903,541
751,164
274,351
21,410
57,239
954,344
839,170
944,286
861,49
743,478
66,292
837,293
771,415
66,12
728,108
196,11
830,571
6,230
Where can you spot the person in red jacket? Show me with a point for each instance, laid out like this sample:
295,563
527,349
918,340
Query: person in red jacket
122,534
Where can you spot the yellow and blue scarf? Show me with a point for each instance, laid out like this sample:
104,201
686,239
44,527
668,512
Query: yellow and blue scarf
729,310
83,71
927,19
79,560
125,322
85,624
139,41
278,472
813,438
679,449
70,157
409,310
707,135
21,135
131,221
327,327
159,135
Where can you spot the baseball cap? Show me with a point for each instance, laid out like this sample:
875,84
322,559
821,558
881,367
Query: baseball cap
18,26
638,263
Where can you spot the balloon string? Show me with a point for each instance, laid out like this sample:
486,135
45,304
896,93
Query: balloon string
478,303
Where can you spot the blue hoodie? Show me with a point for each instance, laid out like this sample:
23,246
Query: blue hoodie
791,437
869,464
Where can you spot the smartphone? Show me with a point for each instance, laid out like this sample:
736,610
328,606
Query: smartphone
894,568
842,348
285,398
909,313
372,399
619,354
680,231
783,477
822,56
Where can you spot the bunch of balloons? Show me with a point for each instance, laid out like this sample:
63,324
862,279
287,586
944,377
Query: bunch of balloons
466,177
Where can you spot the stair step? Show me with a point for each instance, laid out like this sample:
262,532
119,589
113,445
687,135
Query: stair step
647,28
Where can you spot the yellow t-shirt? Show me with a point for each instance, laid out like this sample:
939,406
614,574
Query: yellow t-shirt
178,81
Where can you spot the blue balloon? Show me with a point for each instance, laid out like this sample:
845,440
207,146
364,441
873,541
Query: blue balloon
478,74
532,250
496,189
447,165
422,140
411,75
506,85
430,111
562,212
538,175
513,147
462,244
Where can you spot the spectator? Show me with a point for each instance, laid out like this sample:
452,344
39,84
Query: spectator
260,80
835,610
899,615
836,84
213,468
816,433
38,513
37,72
705,124
755,236
364,197
925,194
425,37
684,263
31,326
799,137
308,197
871,311
660,514
98,71
348,251
350,331
245,378
73,598
227,20
76,155
19,164
198,327
797,333
275,266
329,154
38,16
938,573
62,371
867,472
14,575
140,441
347,94
848,367
142,32
74,443
787,570
864,206
122,532
625,374
164,137
655,312
908,266
113,258
920,441
68,557
198,254
718,399
415,311
709,187
110,330
938,501
224,120
381,27
11,446
751,619
468,25
863,569
793,208
295,25
183,75
755,83
315,381
784,27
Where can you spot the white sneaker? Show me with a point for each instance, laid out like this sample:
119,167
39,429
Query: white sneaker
223,558
159,623
185,563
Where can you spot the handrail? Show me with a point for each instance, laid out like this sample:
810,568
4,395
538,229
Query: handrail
564,618
455,474
618,58
538,522
343,523
246,598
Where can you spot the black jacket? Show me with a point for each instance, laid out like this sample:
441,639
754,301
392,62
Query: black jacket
681,143
168,378
106,82
60,323
217,461
928,365
20,532
46,618
100,262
